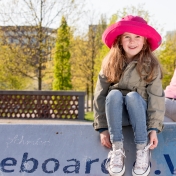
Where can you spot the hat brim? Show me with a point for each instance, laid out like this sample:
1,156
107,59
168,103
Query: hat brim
111,33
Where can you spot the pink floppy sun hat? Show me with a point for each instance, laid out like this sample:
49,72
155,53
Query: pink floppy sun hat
135,25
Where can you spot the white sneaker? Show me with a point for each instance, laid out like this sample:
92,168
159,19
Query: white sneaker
142,164
116,166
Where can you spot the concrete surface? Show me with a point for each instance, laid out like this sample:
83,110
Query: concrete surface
59,148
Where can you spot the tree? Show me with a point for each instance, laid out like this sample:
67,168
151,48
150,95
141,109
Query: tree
62,66
81,66
167,57
32,20
84,51
95,44
13,79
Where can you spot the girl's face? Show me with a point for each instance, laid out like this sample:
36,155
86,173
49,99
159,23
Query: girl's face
132,44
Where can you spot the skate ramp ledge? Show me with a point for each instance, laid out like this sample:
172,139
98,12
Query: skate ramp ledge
73,148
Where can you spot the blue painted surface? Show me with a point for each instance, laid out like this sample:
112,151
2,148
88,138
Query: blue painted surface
164,157
70,149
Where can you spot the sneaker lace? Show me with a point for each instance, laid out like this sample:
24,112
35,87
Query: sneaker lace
142,158
115,158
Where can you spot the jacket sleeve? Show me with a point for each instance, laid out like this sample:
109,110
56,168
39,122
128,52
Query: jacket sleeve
156,103
100,94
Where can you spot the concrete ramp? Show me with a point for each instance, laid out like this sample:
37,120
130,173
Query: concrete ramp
63,148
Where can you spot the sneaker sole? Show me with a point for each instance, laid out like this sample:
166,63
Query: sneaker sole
117,174
144,174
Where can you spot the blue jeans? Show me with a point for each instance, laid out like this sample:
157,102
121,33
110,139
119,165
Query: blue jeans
123,111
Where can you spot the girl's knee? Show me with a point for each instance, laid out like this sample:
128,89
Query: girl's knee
133,99
114,94
132,96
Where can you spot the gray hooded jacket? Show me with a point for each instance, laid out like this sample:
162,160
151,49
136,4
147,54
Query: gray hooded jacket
130,81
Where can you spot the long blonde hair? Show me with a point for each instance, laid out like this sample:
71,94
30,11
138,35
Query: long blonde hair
114,63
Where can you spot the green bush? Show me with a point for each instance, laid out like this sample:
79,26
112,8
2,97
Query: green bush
89,116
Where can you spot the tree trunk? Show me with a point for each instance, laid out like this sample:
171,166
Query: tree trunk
87,100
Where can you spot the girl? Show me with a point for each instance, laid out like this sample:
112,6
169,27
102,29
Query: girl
129,92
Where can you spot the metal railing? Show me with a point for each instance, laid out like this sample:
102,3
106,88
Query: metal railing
42,104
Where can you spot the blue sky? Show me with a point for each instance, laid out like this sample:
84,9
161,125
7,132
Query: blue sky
163,11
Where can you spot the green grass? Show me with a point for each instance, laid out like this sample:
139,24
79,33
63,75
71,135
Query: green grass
89,116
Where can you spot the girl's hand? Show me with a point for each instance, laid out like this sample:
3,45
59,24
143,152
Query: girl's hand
105,139
153,139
